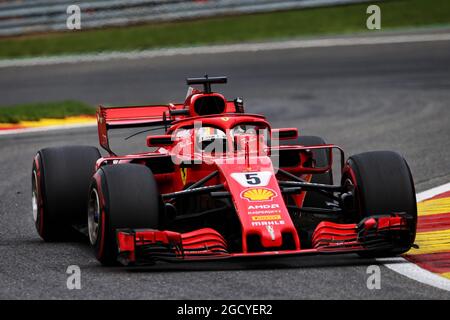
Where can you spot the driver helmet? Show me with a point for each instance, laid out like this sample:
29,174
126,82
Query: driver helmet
211,138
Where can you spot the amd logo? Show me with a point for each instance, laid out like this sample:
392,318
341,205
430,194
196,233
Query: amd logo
264,206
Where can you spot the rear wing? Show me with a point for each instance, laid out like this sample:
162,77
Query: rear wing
129,117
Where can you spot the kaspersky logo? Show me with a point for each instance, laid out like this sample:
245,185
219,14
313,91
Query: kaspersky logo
258,194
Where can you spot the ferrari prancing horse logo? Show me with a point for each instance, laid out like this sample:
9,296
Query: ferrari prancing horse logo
183,173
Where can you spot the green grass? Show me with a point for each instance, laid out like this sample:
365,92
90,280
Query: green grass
331,20
36,111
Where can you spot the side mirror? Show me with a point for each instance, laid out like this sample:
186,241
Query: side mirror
285,133
159,141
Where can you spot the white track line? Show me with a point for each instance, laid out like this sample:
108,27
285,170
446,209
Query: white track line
47,128
433,192
414,272
242,47
411,270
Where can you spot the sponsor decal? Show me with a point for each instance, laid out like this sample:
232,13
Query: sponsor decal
267,223
183,173
258,194
264,206
268,209
265,218
266,212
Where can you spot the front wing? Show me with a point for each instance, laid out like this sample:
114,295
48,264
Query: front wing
146,246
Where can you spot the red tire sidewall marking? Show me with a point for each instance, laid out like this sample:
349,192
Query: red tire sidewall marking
101,244
39,187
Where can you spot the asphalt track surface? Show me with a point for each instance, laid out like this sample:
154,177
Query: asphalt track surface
392,96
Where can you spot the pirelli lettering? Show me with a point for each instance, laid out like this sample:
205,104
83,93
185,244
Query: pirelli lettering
266,218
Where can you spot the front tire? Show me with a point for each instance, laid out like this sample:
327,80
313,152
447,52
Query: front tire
383,185
121,196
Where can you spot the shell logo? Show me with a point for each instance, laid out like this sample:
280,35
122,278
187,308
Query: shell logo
258,194
183,172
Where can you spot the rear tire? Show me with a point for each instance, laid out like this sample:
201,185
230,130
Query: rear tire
122,196
60,184
383,185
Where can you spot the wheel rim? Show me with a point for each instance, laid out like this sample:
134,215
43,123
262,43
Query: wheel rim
93,217
34,197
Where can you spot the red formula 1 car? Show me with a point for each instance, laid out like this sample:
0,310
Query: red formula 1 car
220,184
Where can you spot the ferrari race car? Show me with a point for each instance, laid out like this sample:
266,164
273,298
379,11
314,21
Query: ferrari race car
220,184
